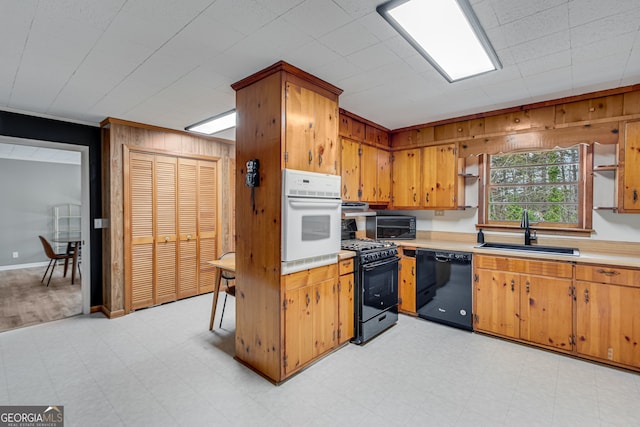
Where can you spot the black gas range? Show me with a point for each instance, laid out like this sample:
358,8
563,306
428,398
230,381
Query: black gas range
376,286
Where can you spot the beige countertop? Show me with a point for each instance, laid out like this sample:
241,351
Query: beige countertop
585,257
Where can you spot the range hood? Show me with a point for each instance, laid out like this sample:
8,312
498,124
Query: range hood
353,209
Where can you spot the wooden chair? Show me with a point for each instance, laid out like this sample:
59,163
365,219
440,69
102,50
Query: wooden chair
228,289
53,259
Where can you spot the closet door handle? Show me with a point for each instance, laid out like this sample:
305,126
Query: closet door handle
167,238
513,285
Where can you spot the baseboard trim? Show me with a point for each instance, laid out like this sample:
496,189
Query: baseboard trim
111,314
19,266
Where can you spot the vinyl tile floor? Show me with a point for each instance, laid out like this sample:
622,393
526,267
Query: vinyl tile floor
163,367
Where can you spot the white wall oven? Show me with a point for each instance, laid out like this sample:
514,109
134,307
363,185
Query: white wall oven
311,214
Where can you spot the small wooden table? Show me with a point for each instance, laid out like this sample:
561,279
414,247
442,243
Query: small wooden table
72,240
228,264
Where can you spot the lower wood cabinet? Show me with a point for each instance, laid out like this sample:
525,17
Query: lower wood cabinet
346,322
310,312
407,281
607,314
536,307
592,313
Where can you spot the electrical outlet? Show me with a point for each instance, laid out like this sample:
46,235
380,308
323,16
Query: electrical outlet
15,254
439,213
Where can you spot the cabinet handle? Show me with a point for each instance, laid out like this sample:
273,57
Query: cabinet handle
608,272
414,197
635,195
317,296
166,239
310,157
427,198
308,299
527,286
319,159
586,295
413,271
513,285
350,285
374,191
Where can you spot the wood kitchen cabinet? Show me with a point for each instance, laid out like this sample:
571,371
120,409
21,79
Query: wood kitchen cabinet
345,301
407,281
405,182
366,173
607,316
287,118
439,177
311,136
425,177
524,299
310,311
630,168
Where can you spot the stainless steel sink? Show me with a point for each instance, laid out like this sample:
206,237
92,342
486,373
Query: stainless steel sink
531,248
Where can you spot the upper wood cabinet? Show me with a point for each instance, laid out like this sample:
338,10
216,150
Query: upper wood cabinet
366,173
376,136
439,177
311,138
630,168
351,128
405,183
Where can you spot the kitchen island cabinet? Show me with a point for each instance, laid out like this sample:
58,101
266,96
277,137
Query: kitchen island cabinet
524,299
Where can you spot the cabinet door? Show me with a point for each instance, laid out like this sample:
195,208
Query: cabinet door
369,173
607,322
345,308
350,169
496,299
187,227
311,139
407,284
631,171
207,224
325,316
384,176
166,174
406,178
439,177
139,271
546,311
298,335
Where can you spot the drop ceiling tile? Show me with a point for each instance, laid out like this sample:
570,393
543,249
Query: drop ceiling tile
602,48
542,46
374,57
348,39
326,17
311,56
585,11
96,14
400,47
509,11
377,25
537,25
550,82
245,16
611,26
545,63
338,70
358,8
507,93
599,72
486,15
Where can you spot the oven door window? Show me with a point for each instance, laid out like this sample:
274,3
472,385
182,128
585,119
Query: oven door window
379,287
316,227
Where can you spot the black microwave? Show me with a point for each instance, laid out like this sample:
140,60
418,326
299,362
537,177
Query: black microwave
391,227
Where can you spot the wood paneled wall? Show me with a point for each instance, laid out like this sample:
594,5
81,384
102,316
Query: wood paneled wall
117,133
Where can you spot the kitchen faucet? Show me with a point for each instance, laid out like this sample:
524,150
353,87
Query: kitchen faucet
528,236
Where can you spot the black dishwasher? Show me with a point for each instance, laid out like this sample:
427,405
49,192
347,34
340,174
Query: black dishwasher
443,287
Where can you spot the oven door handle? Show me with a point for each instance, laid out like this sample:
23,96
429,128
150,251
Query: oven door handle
314,203
376,264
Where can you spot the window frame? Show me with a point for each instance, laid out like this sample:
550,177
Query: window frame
585,196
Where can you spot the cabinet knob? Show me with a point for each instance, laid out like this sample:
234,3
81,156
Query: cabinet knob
188,236
166,239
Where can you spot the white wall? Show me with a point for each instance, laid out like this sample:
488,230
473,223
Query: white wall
28,191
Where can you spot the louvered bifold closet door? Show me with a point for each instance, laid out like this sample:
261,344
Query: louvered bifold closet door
140,267
187,227
166,234
207,224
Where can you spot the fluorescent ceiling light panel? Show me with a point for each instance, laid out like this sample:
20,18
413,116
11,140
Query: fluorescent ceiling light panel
446,32
215,124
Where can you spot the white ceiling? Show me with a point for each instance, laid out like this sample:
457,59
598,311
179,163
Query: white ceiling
170,63
38,154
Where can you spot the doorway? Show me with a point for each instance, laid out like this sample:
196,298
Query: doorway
64,150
